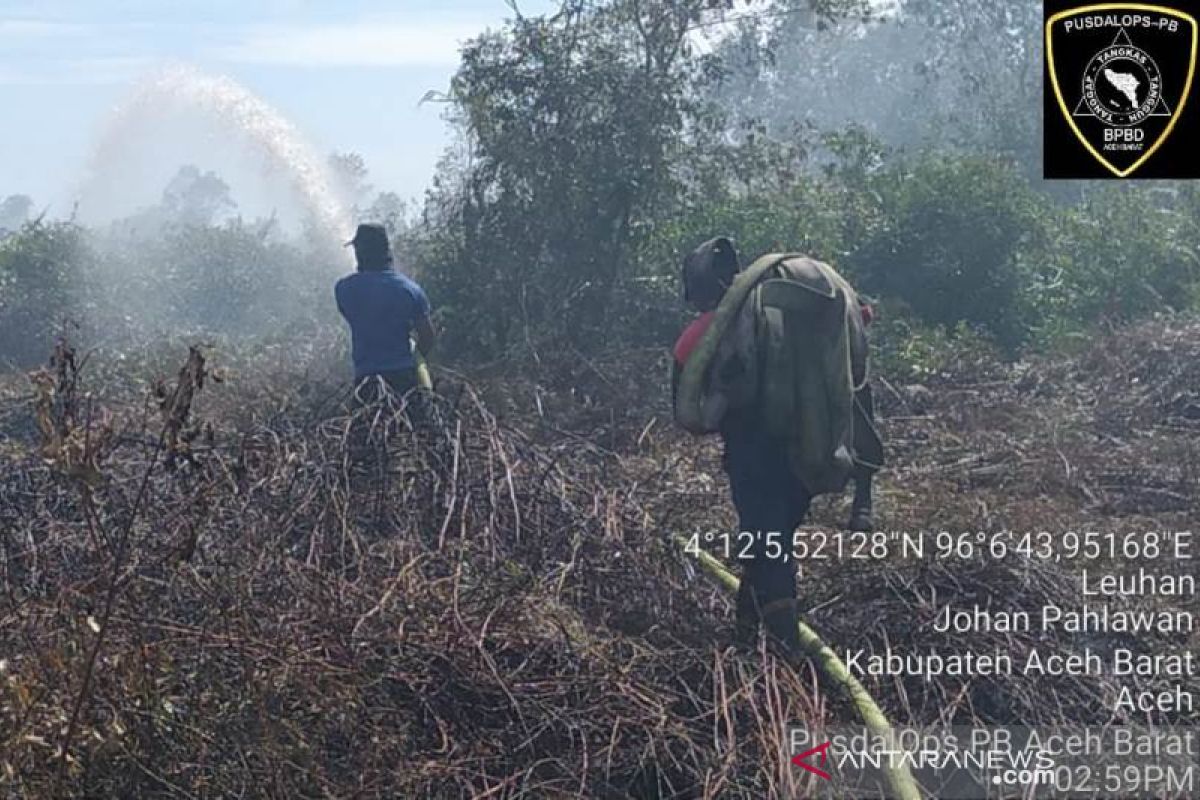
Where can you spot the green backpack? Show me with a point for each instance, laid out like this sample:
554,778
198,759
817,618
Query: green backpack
788,340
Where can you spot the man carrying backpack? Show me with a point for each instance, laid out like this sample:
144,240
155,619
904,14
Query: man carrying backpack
776,364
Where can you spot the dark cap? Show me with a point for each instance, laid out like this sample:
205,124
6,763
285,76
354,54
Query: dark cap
370,233
371,246
708,271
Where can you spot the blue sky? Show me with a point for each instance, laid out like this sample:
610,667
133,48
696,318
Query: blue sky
349,75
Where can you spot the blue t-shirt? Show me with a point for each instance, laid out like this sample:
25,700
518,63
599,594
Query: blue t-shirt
381,307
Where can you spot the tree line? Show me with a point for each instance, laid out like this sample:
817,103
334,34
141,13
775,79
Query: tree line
597,144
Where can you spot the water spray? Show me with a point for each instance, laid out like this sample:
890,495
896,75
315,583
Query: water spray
248,118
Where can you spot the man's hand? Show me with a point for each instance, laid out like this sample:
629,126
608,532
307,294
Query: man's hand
425,335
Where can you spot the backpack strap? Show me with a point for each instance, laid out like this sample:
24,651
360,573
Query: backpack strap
697,407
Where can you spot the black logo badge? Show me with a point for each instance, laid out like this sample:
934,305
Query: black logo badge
1118,82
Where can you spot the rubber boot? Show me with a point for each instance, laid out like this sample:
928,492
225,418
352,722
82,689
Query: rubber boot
781,619
746,618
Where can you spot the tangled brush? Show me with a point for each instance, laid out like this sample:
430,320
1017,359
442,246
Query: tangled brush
259,588
354,604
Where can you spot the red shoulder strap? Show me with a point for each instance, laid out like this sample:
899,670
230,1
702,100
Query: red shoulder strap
691,337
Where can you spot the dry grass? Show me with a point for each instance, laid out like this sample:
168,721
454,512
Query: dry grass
315,606
243,590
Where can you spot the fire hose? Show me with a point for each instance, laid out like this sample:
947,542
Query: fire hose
900,780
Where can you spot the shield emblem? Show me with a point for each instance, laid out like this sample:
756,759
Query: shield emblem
1121,74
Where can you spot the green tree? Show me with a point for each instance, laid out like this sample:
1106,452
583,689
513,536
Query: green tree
14,211
954,242
40,272
349,171
193,197
571,120
577,141
923,73
1125,252
390,210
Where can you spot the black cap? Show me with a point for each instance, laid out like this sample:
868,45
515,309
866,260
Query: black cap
371,245
370,233
708,271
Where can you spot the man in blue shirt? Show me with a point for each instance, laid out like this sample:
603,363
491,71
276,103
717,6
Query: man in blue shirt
386,311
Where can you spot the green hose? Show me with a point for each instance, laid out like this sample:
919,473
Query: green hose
424,380
899,778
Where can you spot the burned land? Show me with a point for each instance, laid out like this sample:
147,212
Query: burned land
212,588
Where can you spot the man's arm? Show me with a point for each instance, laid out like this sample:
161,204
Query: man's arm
422,326
337,298
425,334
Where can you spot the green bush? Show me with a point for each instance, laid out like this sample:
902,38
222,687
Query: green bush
41,266
1124,253
768,197
953,242
233,278
123,291
906,350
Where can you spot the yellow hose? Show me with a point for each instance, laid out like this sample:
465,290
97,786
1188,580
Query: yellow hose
424,380
899,778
